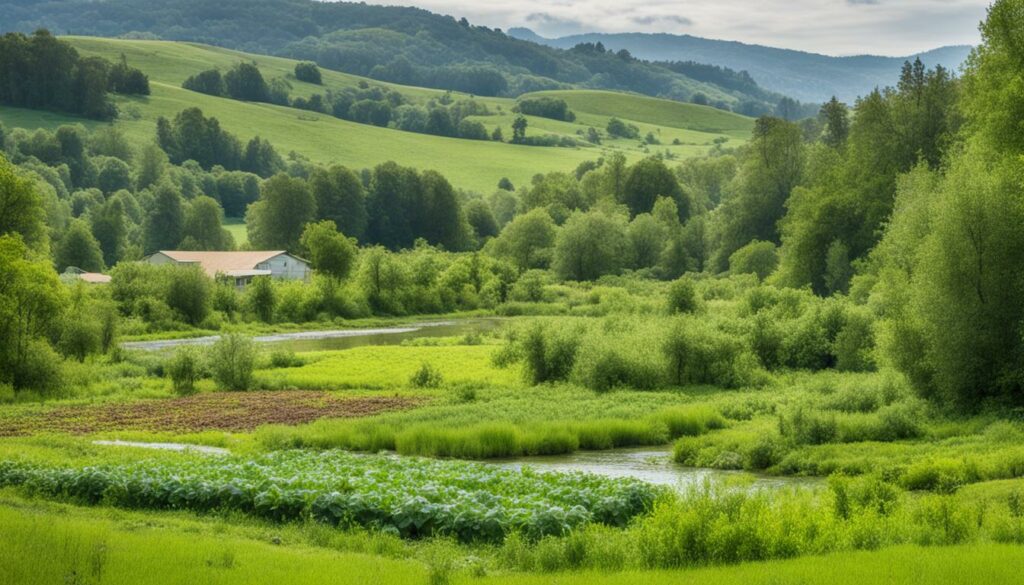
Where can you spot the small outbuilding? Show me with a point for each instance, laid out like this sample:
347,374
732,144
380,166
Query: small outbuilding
73,274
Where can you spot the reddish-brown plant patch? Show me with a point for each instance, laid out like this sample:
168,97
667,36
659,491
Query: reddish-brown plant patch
227,411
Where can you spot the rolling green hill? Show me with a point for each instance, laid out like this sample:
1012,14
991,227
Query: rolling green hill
394,43
470,164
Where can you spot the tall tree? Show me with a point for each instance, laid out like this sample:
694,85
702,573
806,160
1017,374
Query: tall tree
79,248
276,220
329,251
21,207
203,228
165,221
341,198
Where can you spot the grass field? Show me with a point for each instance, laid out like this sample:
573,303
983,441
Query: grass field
102,547
475,165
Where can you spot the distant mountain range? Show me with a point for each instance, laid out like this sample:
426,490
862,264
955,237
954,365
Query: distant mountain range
809,77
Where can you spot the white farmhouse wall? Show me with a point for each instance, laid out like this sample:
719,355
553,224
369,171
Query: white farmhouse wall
287,267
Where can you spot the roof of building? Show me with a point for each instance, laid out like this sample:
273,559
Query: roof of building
76,273
94,278
214,263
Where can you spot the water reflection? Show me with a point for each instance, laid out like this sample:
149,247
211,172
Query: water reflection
653,466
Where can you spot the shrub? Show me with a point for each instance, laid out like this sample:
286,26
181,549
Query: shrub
548,353
285,358
682,297
757,257
807,426
41,369
308,72
188,293
697,353
185,370
232,360
81,336
427,376
614,359
855,343
261,298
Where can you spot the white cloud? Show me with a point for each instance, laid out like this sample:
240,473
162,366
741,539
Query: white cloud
839,27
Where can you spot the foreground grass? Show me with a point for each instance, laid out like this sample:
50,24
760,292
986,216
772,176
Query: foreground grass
904,565
50,543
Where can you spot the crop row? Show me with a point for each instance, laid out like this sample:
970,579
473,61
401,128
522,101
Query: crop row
410,497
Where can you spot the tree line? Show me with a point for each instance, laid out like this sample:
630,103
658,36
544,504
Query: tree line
39,71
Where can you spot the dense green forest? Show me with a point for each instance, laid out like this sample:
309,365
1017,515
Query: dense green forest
402,45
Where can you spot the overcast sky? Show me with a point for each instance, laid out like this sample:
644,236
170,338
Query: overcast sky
836,27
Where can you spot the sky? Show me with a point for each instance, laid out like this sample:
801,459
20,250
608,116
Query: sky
834,27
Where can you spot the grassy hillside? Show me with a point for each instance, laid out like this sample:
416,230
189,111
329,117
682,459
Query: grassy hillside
400,44
475,165
654,111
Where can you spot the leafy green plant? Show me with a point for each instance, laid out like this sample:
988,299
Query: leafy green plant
232,360
185,369
427,376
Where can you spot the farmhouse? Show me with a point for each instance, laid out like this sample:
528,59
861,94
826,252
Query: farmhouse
241,267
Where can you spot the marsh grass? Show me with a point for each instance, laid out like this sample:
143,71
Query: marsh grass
494,439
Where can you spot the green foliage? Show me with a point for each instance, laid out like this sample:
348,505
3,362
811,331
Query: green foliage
620,129
276,220
192,136
79,248
203,228
427,376
245,82
232,361
24,214
591,245
527,241
44,72
261,299
760,258
682,297
308,72
32,302
648,180
341,198
545,107
696,353
330,252
188,293
185,369
471,502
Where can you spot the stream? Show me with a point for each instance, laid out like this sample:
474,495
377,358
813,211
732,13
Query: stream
338,338
653,465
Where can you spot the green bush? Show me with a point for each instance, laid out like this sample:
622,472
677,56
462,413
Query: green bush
285,358
185,370
232,361
427,376
682,296
757,257
696,352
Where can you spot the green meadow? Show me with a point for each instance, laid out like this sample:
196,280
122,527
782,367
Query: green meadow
474,165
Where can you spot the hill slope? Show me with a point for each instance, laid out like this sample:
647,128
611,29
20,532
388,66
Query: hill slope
469,164
399,44
804,76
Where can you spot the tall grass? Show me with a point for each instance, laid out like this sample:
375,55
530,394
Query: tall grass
488,440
